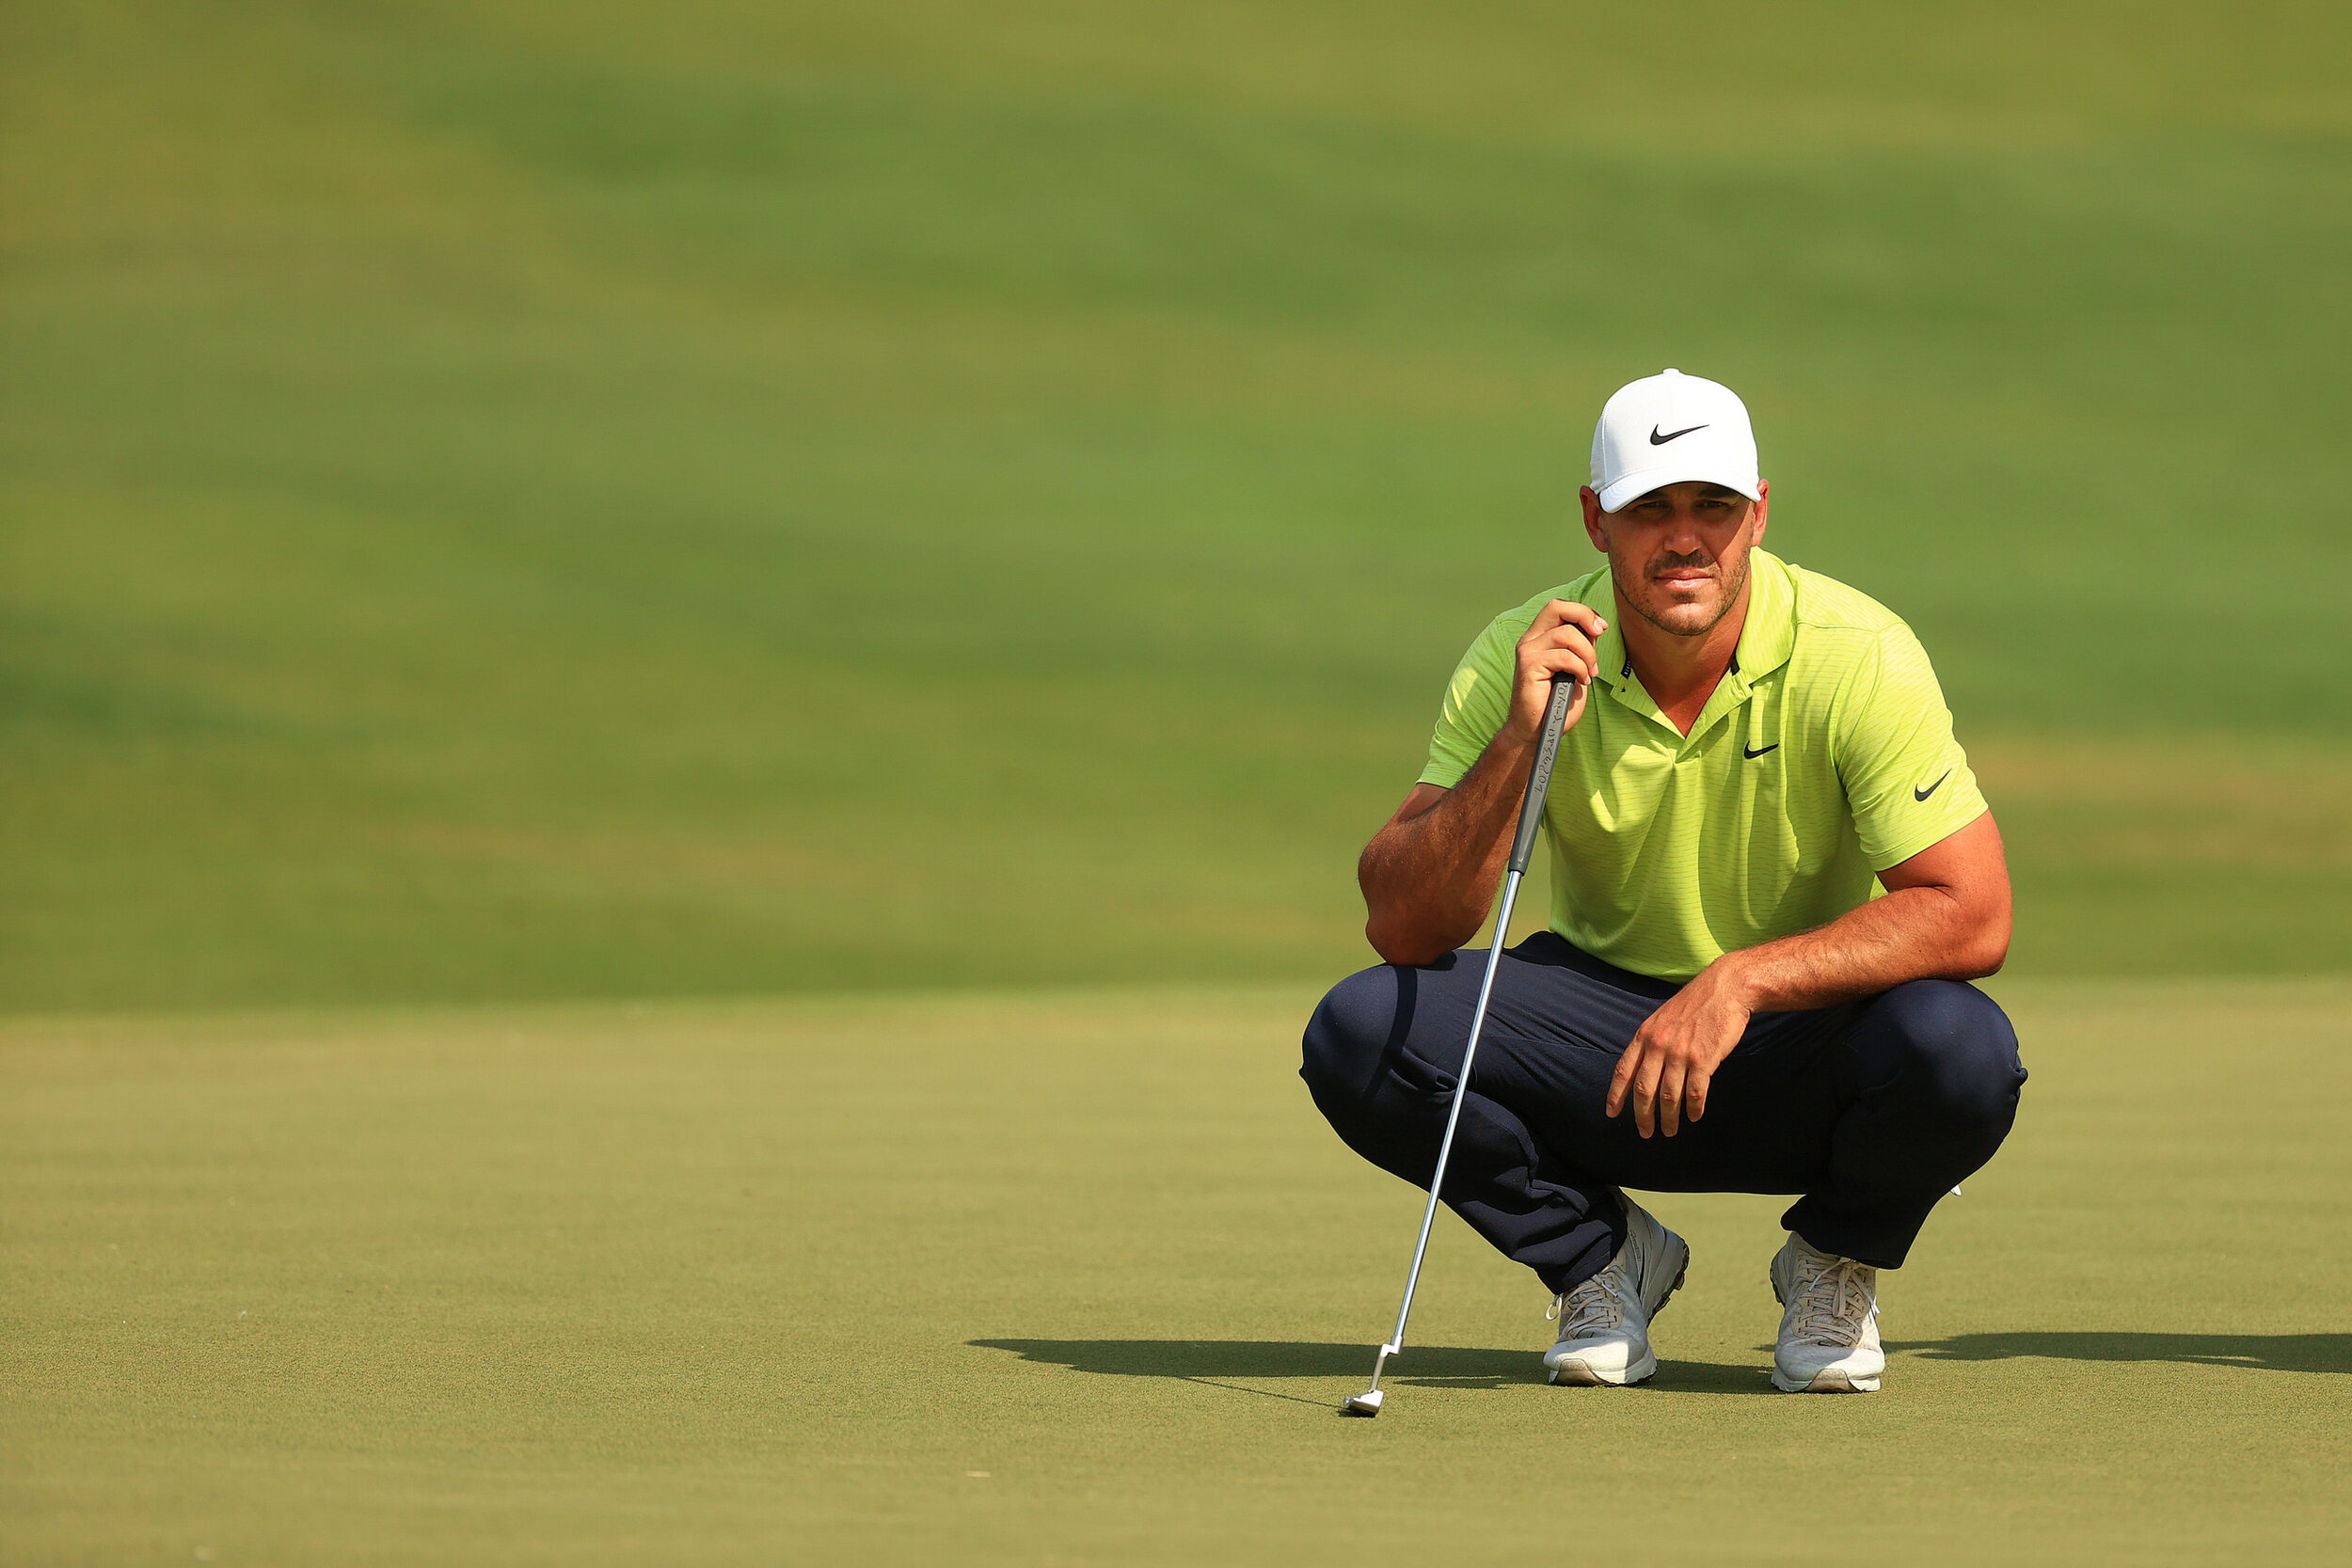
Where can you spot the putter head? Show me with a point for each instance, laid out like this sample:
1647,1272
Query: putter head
1365,1404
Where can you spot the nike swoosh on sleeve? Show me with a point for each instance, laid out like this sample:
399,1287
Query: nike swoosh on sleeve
1923,794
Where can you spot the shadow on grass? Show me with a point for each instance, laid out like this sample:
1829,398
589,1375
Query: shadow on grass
2278,1352
1206,1361
1211,1361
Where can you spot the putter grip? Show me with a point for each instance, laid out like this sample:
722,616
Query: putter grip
1539,781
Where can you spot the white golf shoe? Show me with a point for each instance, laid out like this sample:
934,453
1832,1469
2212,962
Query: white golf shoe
1604,1323
1829,1323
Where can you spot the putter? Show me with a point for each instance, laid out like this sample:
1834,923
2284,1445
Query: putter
1530,813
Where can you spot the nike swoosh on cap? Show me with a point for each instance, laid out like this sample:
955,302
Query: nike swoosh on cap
1657,440
1923,794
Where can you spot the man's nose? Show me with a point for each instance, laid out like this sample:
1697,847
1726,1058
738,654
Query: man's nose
1682,534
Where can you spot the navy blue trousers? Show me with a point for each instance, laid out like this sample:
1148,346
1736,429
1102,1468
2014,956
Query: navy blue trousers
1871,1110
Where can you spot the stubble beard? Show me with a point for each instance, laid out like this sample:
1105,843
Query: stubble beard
1656,615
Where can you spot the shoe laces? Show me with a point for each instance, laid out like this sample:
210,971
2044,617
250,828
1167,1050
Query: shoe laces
1594,1307
1834,1302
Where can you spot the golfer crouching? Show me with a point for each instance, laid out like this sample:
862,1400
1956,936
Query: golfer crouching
1773,877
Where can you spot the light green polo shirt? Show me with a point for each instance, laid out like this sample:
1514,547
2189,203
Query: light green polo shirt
1823,757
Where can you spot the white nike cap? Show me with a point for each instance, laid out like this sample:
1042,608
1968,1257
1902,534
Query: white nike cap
1666,428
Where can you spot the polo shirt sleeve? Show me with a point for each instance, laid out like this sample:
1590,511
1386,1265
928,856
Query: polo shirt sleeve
1906,778
1477,700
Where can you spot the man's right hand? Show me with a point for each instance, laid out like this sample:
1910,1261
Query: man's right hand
1560,638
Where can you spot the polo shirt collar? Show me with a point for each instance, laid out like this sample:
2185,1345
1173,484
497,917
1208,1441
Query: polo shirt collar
1616,665
1771,635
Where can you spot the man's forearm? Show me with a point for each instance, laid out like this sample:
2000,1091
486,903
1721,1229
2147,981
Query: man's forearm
1429,874
1946,915
1914,933
1428,878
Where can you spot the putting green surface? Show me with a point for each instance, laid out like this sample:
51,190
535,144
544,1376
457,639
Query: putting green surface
1080,1279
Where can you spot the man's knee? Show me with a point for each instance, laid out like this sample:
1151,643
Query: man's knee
1357,1024
1958,1045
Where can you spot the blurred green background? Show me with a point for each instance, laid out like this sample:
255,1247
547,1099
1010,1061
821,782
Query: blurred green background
510,499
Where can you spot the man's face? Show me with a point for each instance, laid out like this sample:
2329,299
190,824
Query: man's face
1680,554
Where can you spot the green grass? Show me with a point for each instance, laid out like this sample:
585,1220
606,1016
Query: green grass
515,501
771,1282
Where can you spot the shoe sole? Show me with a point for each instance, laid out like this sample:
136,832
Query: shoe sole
1827,1381
1575,1374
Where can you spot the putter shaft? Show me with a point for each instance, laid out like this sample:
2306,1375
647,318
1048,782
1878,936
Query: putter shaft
1523,846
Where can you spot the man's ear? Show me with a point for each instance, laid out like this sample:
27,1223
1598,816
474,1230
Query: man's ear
1763,505
1592,518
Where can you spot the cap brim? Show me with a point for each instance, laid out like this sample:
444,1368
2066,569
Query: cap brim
1635,485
